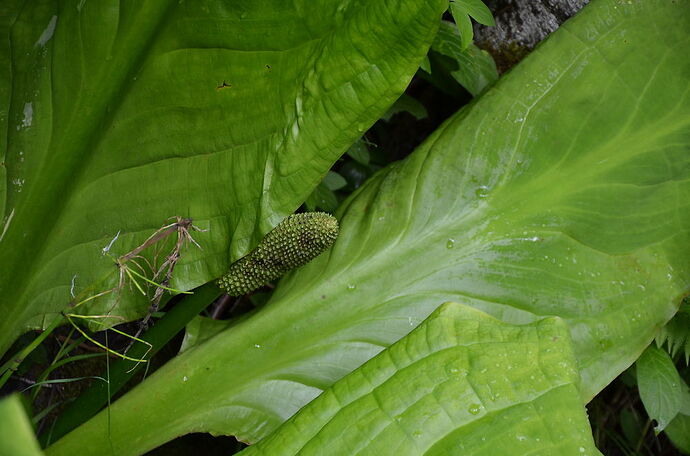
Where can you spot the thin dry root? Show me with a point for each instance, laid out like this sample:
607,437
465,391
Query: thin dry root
181,227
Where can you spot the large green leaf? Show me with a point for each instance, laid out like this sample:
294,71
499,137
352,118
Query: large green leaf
563,191
121,115
460,383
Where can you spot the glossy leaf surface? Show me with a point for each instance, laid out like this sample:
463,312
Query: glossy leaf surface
562,191
460,383
660,386
120,115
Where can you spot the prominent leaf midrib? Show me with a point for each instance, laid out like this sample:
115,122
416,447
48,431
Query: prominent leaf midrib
404,245
94,181
391,255
75,184
250,51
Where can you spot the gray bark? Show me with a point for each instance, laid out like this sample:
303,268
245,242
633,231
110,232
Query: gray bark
521,25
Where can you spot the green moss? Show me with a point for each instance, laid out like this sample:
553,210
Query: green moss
294,242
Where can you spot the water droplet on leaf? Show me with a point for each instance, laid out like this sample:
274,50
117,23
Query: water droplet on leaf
482,191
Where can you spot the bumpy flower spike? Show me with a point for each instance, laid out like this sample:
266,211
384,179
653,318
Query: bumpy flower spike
293,243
